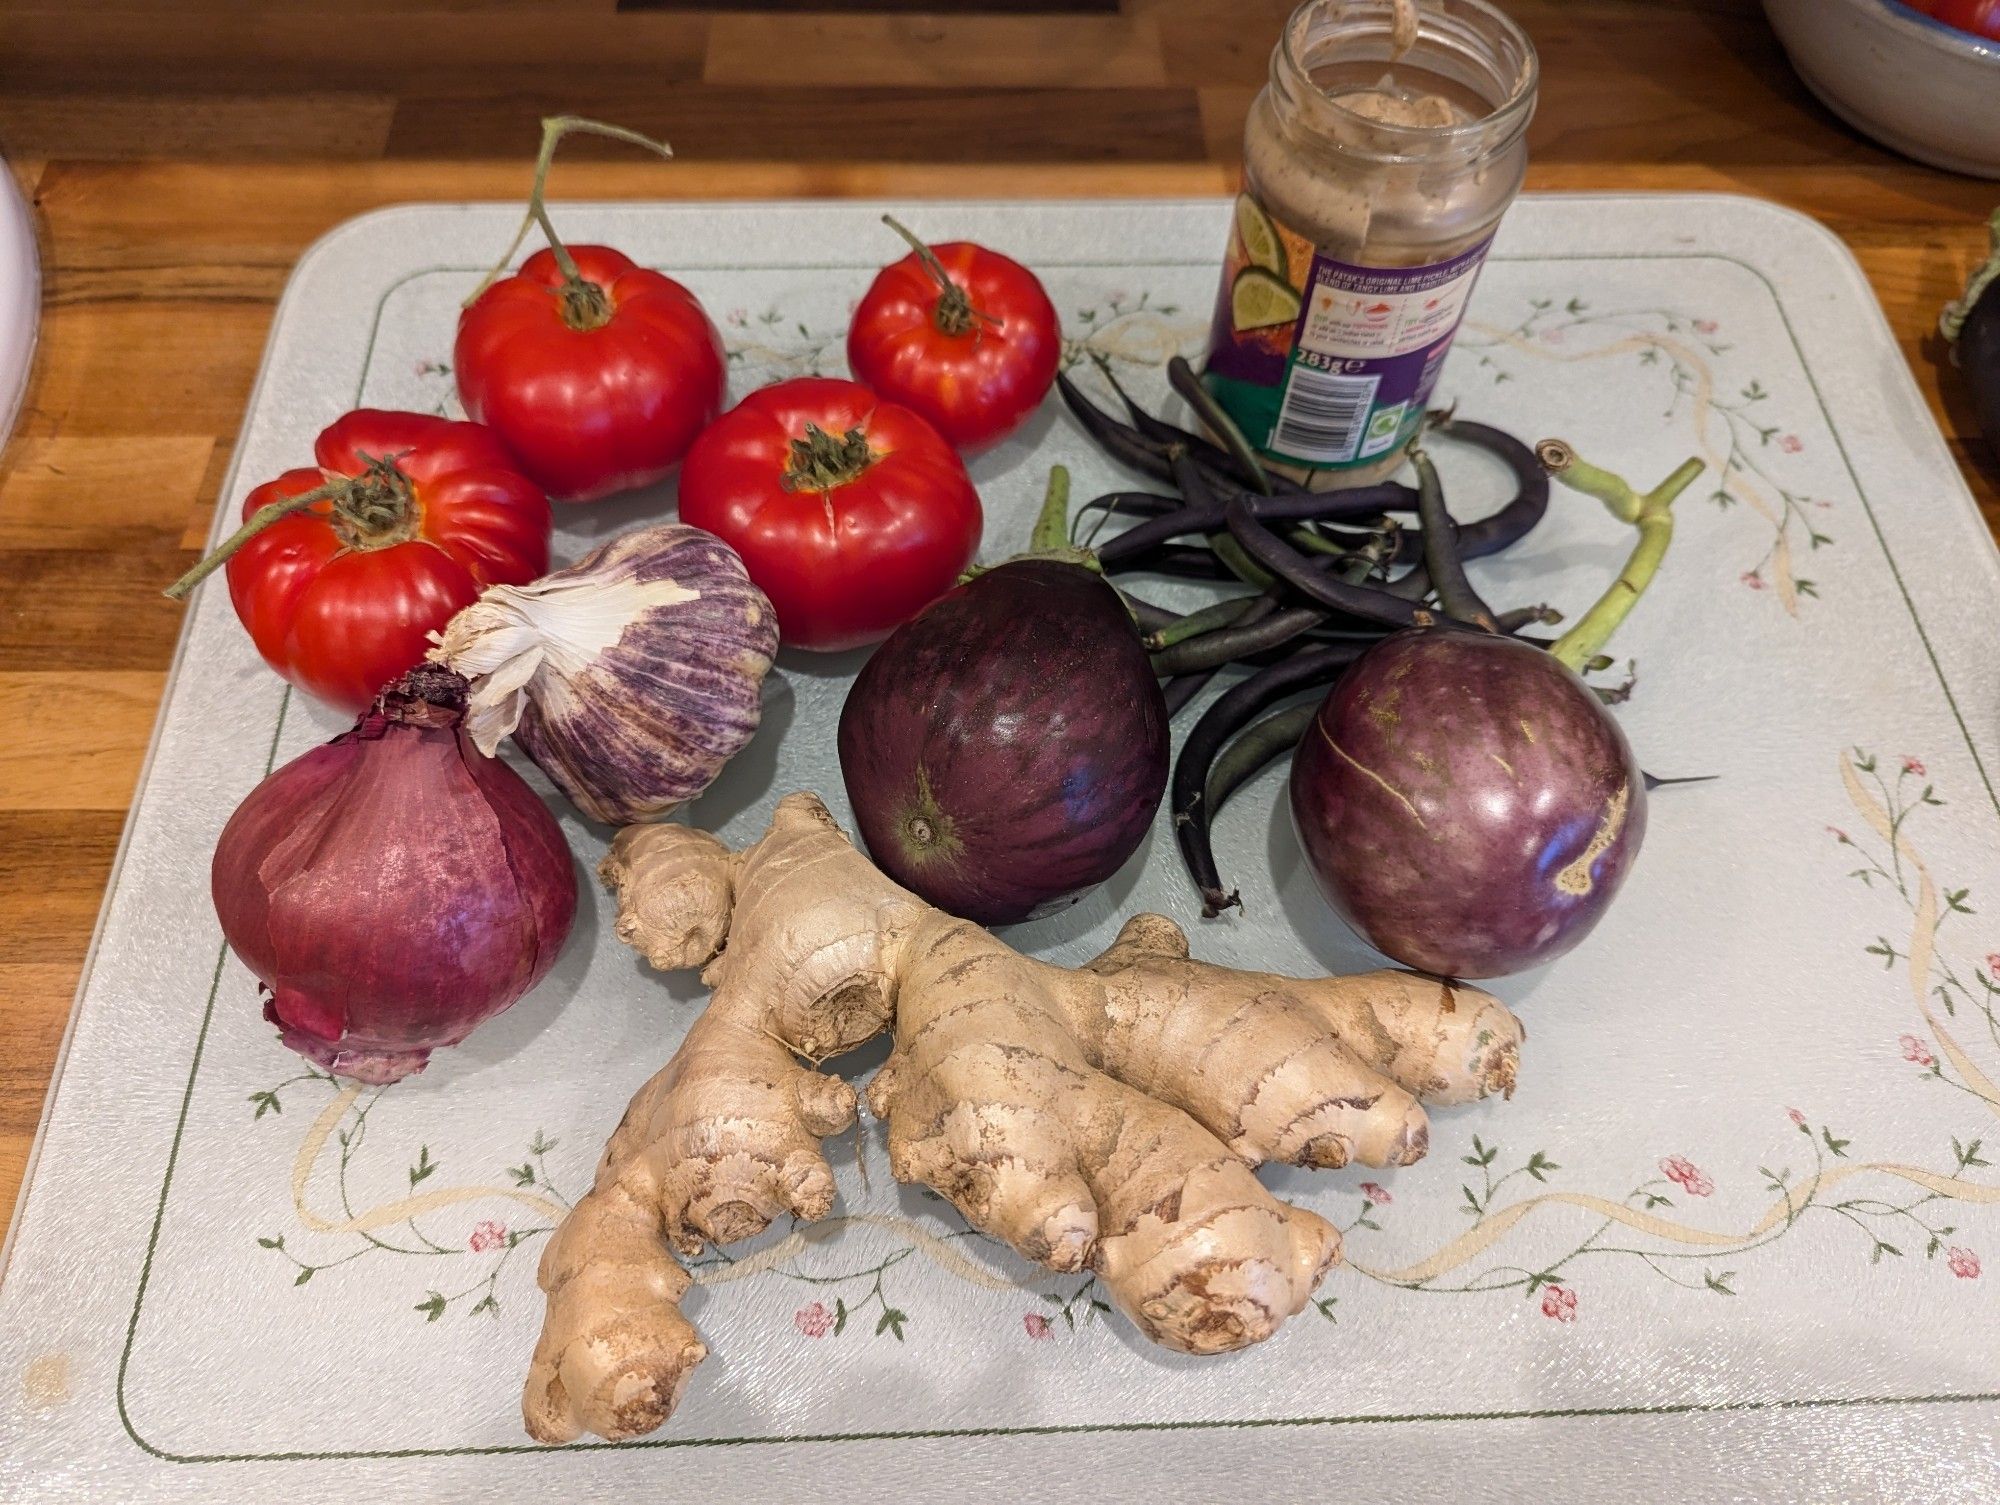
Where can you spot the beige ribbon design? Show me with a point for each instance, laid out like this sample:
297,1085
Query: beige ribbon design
393,1212
1923,949
1703,395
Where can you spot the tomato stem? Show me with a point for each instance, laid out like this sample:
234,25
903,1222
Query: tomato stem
370,511
955,313
582,298
821,462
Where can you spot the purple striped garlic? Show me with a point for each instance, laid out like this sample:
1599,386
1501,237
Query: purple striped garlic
630,678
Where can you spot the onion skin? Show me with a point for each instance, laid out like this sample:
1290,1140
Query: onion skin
1466,803
394,888
1006,750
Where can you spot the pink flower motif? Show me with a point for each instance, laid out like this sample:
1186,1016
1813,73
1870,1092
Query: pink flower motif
1679,1168
1915,1051
1706,326
487,1235
737,316
1559,1302
1796,1117
1552,336
1914,765
1752,579
1379,1195
1993,965
1037,1325
428,368
1791,444
814,1321
1836,833
1964,1263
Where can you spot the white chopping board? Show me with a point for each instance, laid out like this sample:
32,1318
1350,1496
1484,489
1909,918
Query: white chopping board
1731,1236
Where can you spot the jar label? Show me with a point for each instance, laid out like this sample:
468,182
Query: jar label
1322,363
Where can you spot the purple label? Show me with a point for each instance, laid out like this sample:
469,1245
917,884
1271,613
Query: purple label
1347,379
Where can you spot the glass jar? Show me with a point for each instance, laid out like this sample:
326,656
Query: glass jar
1374,183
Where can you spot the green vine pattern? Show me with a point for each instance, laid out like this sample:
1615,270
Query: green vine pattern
478,1259
1746,451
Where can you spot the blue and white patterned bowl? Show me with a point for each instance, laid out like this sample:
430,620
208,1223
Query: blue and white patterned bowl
1927,90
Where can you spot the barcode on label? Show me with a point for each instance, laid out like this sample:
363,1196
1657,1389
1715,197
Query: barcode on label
1324,416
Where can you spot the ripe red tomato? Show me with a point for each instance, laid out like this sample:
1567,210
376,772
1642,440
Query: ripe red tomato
342,596
850,513
1980,17
597,384
963,335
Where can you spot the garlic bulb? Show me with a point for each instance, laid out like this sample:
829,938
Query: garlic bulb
630,678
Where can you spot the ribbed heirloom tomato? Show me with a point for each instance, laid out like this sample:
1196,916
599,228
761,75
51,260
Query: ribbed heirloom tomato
850,513
597,377
964,335
411,518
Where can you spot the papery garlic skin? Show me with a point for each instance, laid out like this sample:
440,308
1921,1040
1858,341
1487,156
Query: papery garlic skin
630,678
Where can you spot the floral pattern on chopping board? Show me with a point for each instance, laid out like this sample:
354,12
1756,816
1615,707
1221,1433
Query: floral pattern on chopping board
1895,1210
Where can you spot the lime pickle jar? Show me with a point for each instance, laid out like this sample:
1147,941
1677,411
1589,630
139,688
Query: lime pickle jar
1377,161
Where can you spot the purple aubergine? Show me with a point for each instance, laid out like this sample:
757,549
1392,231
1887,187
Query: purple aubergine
1972,326
1467,803
1005,751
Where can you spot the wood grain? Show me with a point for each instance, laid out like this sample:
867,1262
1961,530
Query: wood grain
181,158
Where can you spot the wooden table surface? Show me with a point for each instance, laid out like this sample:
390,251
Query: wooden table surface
181,157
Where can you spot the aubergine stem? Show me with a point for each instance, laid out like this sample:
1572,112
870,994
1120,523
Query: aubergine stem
1051,531
1228,644
1214,618
1952,322
584,305
1269,739
1282,560
1232,709
1651,513
1181,376
1179,693
1447,570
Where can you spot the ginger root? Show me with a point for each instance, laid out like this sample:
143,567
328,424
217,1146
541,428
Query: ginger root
1105,1118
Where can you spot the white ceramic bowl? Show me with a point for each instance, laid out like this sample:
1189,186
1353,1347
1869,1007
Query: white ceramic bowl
1928,90
20,297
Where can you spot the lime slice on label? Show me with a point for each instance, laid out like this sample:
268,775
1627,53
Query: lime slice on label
1260,236
1257,300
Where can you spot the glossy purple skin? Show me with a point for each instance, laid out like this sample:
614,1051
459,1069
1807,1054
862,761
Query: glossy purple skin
392,889
1466,803
1006,750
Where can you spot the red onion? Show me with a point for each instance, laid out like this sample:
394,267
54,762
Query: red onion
394,888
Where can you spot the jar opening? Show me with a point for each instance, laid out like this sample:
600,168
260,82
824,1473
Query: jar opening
1336,56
